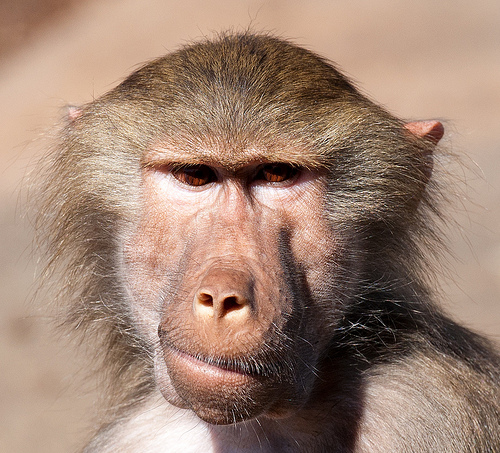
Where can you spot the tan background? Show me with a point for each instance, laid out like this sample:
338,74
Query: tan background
422,59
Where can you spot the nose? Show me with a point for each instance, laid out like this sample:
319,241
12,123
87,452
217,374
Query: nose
224,293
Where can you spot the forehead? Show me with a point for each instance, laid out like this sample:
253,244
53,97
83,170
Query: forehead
236,100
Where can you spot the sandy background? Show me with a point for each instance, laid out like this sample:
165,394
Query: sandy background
421,59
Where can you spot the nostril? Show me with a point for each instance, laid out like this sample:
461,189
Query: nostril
206,299
231,303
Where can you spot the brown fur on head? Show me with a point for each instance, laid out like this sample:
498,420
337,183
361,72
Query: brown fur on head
232,102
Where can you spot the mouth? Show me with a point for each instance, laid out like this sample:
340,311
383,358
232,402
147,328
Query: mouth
247,366
209,372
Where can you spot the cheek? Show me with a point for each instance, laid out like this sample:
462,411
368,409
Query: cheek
160,235
328,257
149,252
317,250
314,241
143,281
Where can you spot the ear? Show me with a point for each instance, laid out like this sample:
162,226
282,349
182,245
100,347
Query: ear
73,113
432,131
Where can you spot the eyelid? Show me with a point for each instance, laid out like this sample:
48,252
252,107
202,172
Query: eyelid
292,172
193,175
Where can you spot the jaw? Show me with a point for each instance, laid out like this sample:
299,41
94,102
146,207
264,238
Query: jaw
220,395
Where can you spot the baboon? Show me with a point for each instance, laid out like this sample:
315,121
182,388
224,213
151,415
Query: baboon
246,238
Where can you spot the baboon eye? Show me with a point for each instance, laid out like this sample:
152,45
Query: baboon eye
195,175
276,172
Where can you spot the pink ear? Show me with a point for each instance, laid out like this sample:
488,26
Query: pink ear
430,130
73,113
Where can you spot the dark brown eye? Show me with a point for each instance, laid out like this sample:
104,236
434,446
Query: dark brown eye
276,172
195,175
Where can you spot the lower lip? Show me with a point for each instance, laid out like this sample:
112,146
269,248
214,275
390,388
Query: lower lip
203,373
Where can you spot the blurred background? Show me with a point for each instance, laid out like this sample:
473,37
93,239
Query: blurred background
421,59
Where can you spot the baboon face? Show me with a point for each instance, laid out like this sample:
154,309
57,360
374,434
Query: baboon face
235,266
